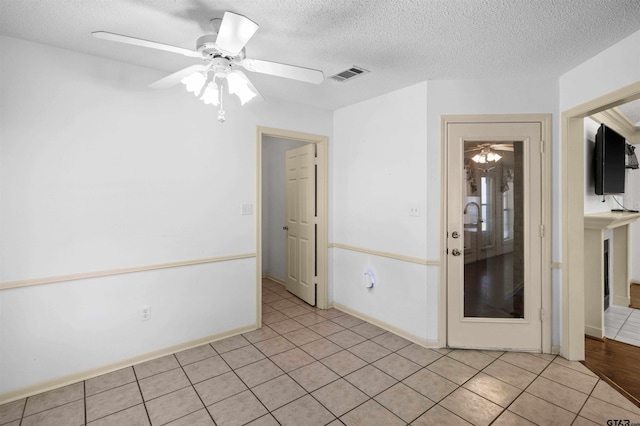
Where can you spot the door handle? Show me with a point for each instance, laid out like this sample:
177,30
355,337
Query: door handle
285,228
455,252
455,234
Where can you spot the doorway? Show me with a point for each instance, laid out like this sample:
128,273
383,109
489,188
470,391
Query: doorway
267,135
496,268
573,182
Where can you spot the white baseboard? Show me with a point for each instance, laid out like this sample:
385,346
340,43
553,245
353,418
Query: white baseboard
99,371
274,279
555,350
415,339
594,331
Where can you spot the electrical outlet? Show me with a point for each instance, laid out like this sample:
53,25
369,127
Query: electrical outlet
145,313
246,209
414,210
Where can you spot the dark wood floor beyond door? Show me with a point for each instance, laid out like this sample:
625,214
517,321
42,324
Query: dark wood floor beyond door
635,296
617,363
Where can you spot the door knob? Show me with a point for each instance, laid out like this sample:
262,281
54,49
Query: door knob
455,252
285,228
455,234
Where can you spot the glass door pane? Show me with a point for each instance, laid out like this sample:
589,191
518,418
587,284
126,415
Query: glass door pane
493,230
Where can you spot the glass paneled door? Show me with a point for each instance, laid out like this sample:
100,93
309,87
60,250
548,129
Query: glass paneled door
493,261
493,235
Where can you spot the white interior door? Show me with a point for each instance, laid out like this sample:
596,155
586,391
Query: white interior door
494,243
301,228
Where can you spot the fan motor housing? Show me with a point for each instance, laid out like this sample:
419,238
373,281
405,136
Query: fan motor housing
206,44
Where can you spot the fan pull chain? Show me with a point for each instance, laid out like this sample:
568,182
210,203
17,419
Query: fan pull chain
221,112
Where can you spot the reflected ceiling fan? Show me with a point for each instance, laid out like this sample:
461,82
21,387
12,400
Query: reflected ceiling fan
223,53
492,146
487,154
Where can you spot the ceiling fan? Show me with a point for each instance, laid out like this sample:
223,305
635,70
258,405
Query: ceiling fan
492,146
487,155
223,53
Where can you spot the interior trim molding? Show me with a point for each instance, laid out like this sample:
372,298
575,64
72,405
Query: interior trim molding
620,123
118,365
434,344
275,279
394,256
109,272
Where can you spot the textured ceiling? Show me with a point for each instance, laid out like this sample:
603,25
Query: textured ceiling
401,42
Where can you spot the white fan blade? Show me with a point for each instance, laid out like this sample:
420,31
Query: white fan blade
145,43
502,147
307,75
176,77
235,31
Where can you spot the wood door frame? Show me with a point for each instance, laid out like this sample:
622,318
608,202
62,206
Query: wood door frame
322,238
573,167
545,122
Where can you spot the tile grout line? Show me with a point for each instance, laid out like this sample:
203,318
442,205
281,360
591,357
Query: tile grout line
84,394
243,382
135,375
194,387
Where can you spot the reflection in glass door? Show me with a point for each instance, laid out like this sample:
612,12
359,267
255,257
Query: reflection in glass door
493,230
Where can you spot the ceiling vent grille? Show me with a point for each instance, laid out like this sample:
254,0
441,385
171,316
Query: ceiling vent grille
349,74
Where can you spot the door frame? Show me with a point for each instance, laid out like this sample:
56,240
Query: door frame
545,123
573,168
322,238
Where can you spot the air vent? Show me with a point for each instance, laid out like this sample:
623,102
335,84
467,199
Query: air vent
349,74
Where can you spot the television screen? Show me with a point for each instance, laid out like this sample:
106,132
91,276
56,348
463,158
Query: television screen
609,161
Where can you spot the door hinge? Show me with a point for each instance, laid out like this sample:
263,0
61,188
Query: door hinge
541,315
542,147
541,231
315,280
315,160
315,220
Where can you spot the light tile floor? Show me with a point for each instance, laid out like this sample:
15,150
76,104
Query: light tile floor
622,324
314,367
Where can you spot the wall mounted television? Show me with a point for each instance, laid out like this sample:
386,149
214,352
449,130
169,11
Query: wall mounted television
609,161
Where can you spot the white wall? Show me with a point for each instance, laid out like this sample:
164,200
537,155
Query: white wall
611,69
274,238
378,159
99,172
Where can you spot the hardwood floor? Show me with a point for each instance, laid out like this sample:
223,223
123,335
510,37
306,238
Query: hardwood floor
617,363
635,296
490,291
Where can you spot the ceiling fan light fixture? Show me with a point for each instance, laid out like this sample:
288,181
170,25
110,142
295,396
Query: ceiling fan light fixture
195,82
486,156
479,158
239,86
493,157
211,94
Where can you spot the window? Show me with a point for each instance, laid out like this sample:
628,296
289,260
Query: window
507,213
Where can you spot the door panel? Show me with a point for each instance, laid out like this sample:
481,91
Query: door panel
301,244
493,241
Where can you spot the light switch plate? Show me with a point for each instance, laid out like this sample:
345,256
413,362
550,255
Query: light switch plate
246,209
